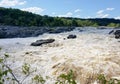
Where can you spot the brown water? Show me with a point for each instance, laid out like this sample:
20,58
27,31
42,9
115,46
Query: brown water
92,52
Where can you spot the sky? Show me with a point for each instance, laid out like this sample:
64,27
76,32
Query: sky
68,8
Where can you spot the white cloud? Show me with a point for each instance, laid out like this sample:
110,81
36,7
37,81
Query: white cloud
104,15
69,14
77,10
110,9
36,10
88,17
118,17
11,2
100,11
101,14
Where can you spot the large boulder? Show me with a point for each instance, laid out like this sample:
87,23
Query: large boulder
41,42
71,36
116,33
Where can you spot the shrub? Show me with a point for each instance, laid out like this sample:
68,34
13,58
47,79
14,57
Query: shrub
38,79
102,80
66,78
5,69
26,68
0,48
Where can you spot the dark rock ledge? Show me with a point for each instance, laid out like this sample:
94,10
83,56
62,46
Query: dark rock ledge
15,31
116,33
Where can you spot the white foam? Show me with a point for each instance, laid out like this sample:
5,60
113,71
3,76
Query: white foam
92,52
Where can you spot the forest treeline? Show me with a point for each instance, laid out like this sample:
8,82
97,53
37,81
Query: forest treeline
16,17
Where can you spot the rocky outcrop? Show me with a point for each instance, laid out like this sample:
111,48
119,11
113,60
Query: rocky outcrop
60,29
71,36
116,33
41,42
15,31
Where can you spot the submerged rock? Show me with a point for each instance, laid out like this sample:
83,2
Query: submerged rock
41,42
71,36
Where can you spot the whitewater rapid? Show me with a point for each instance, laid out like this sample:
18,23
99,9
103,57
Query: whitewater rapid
93,52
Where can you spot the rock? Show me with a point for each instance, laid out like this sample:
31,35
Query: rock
17,31
111,32
60,29
71,36
41,42
116,33
101,27
81,30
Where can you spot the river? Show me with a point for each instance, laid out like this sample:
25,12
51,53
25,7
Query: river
93,52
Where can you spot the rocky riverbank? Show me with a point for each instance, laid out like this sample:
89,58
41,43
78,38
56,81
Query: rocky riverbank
15,31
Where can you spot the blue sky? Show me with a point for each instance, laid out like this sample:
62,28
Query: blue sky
68,8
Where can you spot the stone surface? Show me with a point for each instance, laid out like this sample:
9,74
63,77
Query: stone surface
116,33
41,42
15,31
71,36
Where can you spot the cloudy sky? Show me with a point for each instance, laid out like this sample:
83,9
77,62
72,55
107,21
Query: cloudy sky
68,8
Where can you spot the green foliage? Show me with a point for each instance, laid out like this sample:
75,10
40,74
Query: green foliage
1,60
66,78
3,74
26,68
4,70
0,48
27,52
6,55
102,79
16,17
113,25
38,79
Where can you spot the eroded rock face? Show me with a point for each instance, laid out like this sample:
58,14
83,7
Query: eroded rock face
41,42
71,36
116,33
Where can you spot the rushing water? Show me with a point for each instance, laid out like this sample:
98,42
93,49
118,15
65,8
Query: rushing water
93,52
